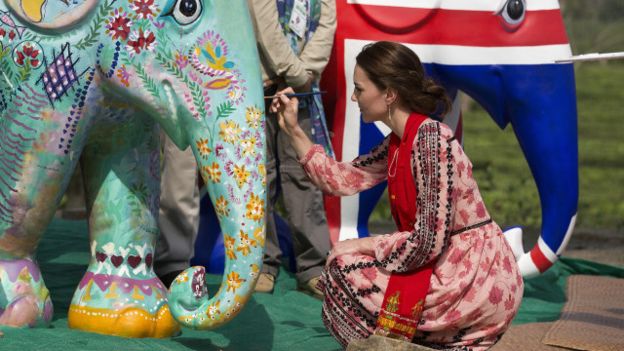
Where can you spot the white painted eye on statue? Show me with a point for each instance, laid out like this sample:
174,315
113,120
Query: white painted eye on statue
186,12
513,11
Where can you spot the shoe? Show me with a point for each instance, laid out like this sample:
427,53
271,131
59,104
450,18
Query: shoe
265,283
168,278
310,287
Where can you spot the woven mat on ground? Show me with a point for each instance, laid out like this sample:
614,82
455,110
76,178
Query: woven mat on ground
593,317
525,337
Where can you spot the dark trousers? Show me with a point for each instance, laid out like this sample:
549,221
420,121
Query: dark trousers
303,203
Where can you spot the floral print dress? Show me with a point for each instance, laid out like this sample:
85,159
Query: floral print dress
476,287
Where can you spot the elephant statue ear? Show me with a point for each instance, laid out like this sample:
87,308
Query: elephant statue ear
57,15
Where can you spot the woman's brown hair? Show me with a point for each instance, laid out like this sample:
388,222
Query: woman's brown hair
392,65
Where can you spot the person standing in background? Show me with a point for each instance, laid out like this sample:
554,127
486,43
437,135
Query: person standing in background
178,218
295,39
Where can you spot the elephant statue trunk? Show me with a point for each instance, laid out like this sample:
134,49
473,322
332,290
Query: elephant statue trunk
97,80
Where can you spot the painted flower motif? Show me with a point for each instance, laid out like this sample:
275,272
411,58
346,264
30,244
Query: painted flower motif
202,147
212,172
182,278
141,41
181,60
259,235
235,92
234,281
213,310
236,89
229,242
209,57
262,173
11,35
248,146
123,75
238,304
253,116
221,206
144,9
245,244
255,208
254,269
118,24
159,24
229,132
27,54
241,174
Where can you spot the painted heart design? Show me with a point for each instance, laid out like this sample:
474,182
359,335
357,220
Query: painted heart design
116,260
100,256
134,261
148,260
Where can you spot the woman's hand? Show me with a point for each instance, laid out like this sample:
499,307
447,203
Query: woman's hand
363,246
287,110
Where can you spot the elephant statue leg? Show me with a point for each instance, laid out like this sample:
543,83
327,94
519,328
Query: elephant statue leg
31,186
120,293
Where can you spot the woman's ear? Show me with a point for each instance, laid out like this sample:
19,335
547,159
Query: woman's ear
391,96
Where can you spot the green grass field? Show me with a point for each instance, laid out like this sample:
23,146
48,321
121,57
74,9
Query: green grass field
504,176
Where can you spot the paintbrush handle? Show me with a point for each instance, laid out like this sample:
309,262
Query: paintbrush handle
297,94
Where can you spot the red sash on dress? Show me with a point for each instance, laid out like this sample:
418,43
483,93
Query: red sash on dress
405,296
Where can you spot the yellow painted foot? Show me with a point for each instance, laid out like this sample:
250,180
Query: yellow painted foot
129,322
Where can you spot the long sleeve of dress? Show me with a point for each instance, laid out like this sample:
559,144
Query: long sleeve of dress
433,167
346,178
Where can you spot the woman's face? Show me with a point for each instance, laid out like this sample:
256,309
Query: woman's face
370,100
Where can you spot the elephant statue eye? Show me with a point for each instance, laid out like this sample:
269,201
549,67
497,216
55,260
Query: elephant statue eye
513,11
186,12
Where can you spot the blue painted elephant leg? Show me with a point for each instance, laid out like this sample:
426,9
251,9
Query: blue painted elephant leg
120,294
547,132
34,165
540,103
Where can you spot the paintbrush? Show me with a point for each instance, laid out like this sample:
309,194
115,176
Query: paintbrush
297,95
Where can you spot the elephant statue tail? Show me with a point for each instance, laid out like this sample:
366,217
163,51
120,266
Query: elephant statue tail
541,257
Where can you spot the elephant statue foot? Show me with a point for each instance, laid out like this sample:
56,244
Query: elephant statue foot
137,308
116,304
24,298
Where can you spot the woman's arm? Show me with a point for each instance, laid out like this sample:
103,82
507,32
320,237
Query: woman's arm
331,176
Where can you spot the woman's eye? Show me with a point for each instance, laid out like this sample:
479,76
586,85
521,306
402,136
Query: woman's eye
186,12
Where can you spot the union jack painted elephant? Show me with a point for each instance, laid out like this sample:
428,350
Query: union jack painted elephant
500,52
96,80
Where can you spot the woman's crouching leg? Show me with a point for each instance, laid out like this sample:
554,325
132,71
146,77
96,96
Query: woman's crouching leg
347,314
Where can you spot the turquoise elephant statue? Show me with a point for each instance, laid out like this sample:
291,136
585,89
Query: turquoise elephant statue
96,81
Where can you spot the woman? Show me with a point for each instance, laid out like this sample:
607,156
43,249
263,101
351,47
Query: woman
447,278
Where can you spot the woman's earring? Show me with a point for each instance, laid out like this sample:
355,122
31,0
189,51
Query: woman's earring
389,114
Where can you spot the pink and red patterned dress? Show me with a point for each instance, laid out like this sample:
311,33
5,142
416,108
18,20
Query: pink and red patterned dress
476,287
